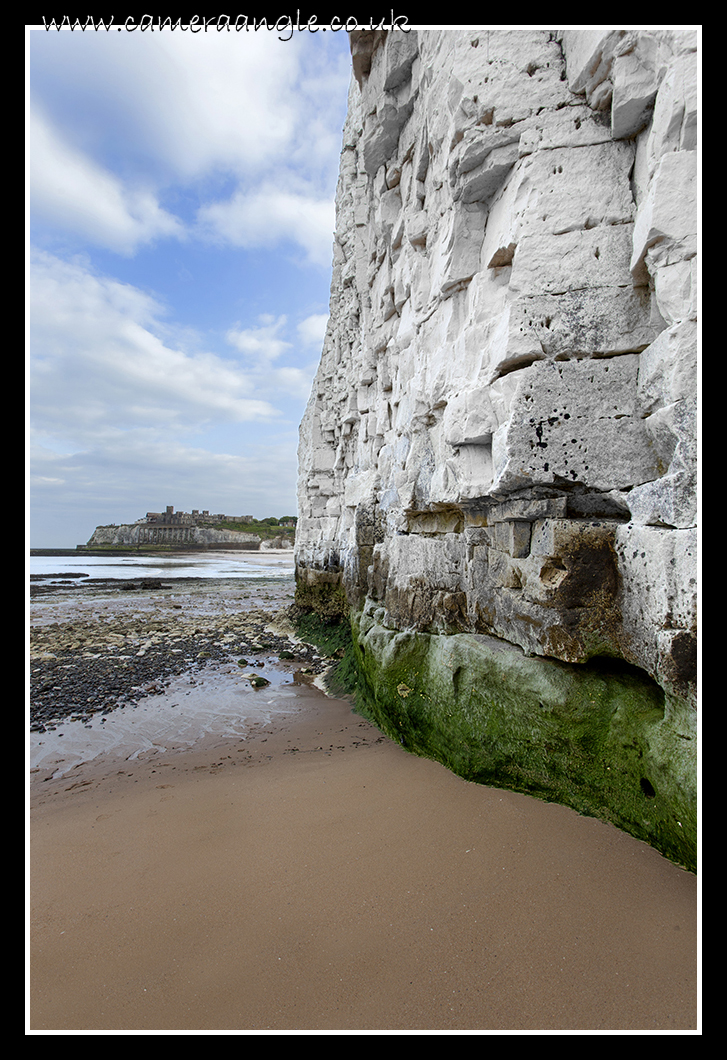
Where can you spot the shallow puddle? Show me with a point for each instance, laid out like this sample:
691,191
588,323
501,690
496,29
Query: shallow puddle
218,700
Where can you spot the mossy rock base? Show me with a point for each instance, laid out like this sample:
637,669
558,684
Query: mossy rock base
332,636
327,600
601,738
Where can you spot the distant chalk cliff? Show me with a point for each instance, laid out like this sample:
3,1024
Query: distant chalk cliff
138,535
196,529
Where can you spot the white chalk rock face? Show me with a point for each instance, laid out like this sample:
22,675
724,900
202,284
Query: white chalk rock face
501,437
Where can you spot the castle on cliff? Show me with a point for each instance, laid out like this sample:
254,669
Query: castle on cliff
194,518
195,529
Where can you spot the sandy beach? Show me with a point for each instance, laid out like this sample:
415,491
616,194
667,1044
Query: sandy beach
308,874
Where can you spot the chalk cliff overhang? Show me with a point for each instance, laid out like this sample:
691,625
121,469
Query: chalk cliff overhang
500,444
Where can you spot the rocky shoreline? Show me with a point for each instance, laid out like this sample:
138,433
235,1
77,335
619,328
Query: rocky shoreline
79,669
105,651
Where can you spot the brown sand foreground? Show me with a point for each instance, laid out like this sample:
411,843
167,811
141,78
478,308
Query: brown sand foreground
317,877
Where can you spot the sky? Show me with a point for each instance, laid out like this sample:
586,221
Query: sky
180,219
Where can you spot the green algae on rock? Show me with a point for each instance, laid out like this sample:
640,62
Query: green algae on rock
602,737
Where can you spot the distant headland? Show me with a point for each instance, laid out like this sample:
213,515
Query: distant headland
170,531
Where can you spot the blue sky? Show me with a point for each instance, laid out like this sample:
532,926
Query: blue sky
180,240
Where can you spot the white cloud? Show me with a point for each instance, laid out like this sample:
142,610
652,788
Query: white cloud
262,342
153,114
192,101
201,103
224,102
312,330
74,193
295,381
99,362
268,217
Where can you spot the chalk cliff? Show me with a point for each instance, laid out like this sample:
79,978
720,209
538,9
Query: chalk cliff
498,459
142,535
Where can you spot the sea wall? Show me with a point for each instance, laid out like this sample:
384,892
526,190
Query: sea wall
143,535
500,443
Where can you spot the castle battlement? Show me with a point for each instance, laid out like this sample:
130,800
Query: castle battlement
194,518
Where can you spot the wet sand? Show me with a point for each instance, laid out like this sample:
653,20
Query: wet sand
314,876
297,871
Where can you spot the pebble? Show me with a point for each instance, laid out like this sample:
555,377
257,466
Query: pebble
82,668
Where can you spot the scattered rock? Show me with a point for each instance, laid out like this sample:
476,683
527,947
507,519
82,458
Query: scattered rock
67,680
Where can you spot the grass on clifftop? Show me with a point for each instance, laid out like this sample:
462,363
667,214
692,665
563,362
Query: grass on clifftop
264,528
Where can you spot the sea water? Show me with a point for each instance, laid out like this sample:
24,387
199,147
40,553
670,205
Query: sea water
263,564
216,703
